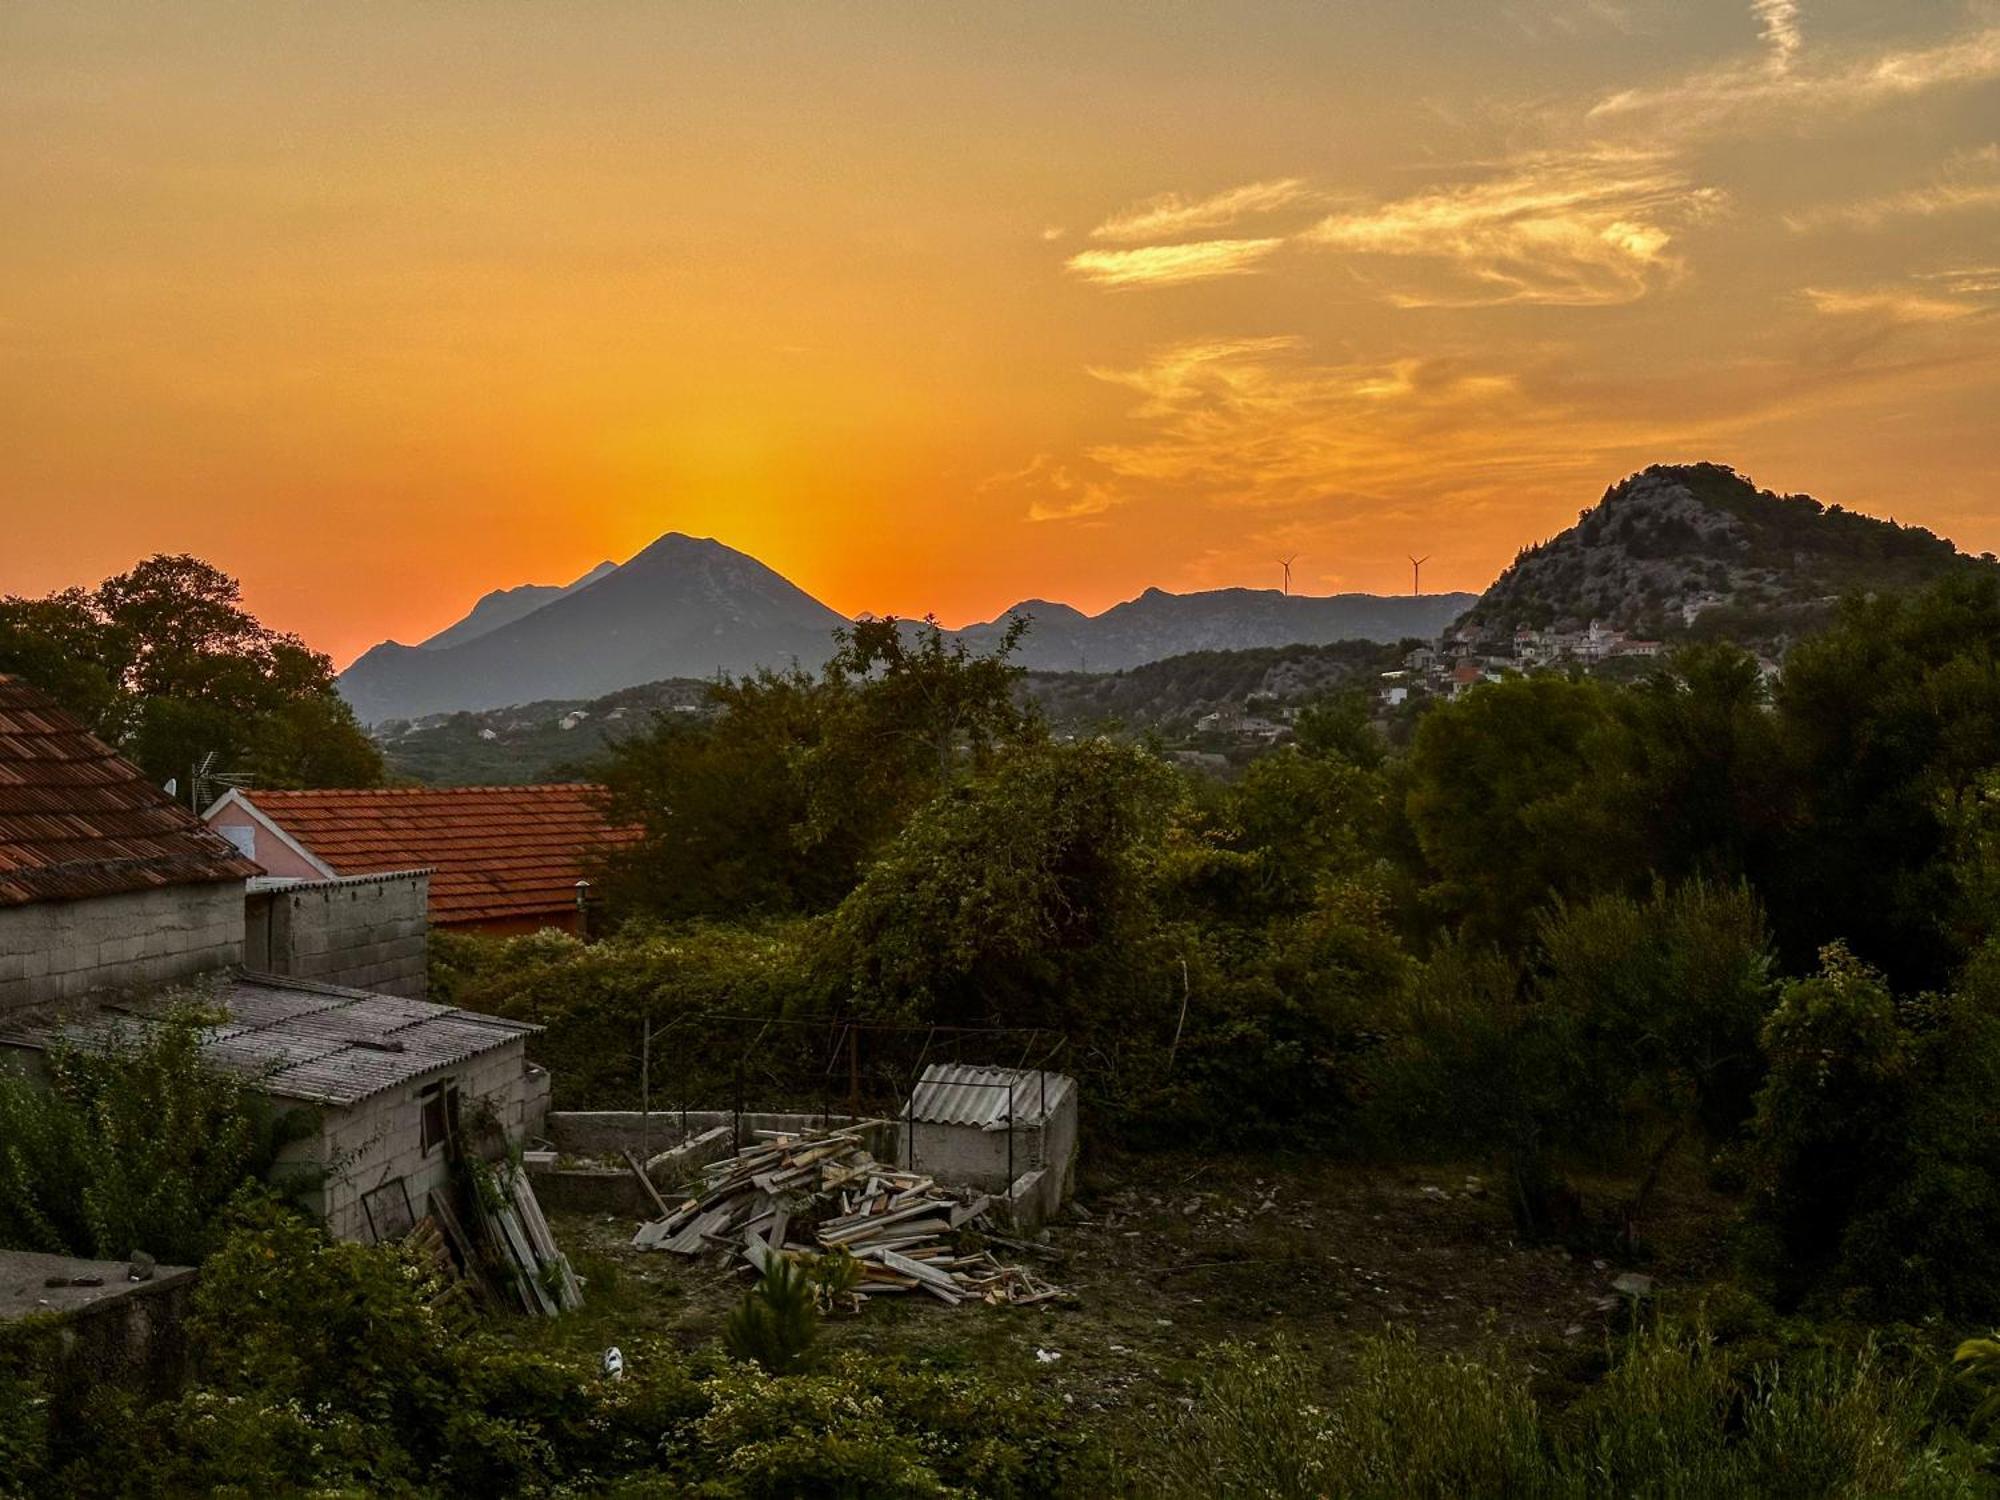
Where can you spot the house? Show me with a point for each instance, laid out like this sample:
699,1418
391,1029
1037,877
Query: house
502,859
112,896
105,882
383,1081
1009,1131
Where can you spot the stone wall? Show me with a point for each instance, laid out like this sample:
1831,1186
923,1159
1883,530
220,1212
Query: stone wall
373,1143
60,950
118,1331
369,932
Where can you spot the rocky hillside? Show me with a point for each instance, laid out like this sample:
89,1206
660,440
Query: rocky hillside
1679,544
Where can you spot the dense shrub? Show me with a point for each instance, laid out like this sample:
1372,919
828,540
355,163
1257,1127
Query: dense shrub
595,1001
1676,1417
1876,1148
128,1144
320,1367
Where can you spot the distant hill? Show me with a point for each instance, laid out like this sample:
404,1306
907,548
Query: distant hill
505,606
1698,548
690,608
556,739
1158,625
684,607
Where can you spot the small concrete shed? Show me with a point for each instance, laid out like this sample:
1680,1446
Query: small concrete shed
1007,1131
386,1079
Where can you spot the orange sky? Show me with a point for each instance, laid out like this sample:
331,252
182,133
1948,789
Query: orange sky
942,306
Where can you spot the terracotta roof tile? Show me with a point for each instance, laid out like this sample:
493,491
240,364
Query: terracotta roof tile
497,853
77,819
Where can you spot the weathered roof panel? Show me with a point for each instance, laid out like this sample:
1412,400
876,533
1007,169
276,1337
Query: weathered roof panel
319,1043
988,1098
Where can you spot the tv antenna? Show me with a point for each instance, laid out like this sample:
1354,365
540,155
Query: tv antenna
1286,564
1417,573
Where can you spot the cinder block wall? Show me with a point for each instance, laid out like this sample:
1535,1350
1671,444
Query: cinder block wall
379,1140
370,932
55,951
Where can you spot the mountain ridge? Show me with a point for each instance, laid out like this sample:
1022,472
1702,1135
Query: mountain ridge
688,607
504,606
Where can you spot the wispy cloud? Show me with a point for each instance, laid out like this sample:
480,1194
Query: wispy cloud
1257,422
1785,85
1166,265
1890,305
1779,22
1968,181
1055,491
1170,215
1967,281
1575,230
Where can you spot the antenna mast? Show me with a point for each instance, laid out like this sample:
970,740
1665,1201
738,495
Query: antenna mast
1417,573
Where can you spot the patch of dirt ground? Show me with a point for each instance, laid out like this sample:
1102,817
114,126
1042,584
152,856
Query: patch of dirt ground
1164,1256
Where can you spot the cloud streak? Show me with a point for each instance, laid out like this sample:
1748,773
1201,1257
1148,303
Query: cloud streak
1578,231
1779,22
1778,87
1970,181
1171,216
1168,265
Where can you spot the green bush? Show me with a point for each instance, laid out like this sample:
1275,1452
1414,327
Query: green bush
130,1144
1402,1423
1876,1151
1676,1418
876,1428
776,1324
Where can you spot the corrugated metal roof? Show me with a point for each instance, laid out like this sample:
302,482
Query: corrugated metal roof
320,1043
78,820
496,853
957,1094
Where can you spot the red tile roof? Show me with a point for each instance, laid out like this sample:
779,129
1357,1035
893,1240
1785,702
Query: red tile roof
77,819
497,853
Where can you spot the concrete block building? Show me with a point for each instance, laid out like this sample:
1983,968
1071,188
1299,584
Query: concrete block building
1007,1131
111,893
369,932
384,1081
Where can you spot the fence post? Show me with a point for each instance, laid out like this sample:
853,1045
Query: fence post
646,1089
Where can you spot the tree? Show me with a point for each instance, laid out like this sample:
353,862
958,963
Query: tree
775,803
1008,899
165,662
1888,721
1875,1144
776,1324
1500,798
922,697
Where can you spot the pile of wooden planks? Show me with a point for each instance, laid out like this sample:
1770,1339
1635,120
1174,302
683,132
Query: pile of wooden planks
816,1194
524,1249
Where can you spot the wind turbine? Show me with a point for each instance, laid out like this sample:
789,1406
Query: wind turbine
1417,573
1286,564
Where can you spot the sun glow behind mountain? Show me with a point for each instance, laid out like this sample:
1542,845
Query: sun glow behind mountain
935,308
